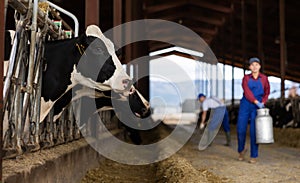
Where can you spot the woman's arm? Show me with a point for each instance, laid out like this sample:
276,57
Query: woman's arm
266,86
247,92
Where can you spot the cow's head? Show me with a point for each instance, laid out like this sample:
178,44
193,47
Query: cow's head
96,63
100,55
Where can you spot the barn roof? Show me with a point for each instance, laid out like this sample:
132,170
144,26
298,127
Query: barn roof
231,28
234,29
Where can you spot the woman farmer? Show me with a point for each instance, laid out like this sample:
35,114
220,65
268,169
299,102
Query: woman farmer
256,91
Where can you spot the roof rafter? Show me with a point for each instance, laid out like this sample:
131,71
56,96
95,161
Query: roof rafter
208,31
210,6
208,20
163,7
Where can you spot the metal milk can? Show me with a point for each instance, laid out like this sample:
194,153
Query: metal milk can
264,127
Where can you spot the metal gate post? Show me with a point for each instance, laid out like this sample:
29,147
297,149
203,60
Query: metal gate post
2,27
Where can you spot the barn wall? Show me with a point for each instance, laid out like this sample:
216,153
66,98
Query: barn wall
68,168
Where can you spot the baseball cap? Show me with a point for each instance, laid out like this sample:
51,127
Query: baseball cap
254,59
201,95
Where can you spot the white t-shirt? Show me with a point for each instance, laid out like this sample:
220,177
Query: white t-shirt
211,103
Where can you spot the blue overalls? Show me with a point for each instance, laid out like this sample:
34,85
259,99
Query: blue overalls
225,123
247,112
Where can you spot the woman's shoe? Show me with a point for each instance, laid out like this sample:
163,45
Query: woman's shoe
253,160
242,155
202,125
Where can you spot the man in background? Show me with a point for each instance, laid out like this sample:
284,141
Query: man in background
212,103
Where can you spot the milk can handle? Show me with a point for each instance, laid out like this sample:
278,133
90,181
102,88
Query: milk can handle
266,112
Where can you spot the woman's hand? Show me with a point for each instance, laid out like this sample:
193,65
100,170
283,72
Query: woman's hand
260,105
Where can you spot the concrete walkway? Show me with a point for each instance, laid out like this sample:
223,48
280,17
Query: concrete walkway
276,163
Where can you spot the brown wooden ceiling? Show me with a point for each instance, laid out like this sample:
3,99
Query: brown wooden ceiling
220,23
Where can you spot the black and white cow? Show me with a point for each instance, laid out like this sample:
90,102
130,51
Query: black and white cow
69,63
284,115
78,61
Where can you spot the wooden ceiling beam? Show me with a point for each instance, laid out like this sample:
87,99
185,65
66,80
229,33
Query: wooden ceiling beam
268,59
216,21
207,20
170,34
163,7
211,6
269,42
239,63
208,31
270,32
270,64
271,29
182,43
185,43
267,48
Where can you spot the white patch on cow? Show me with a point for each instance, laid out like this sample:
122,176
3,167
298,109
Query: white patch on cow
87,92
287,107
116,81
12,35
145,102
104,108
5,67
55,117
5,123
88,82
137,114
45,108
123,98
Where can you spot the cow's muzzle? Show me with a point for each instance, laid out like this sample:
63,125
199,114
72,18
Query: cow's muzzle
127,83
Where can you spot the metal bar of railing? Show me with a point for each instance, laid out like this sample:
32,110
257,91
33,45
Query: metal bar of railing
10,69
2,25
53,30
68,14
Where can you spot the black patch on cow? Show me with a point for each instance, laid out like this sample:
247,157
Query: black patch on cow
62,102
8,45
137,105
60,57
96,63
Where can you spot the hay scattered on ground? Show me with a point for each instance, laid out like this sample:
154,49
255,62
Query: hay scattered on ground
177,169
110,171
172,170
